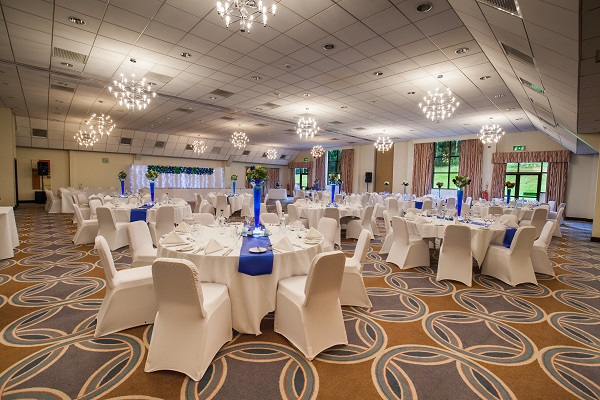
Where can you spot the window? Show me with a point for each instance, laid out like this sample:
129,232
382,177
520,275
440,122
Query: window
334,159
445,163
529,178
301,178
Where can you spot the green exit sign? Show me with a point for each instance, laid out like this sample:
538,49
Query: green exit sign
305,158
518,148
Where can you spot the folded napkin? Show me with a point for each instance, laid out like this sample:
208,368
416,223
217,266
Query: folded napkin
421,220
173,238
284,244
183,227
314,234
497,225
212,246
409,215
109,205
511,224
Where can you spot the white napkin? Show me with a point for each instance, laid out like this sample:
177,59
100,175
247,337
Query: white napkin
109,205
181,203
511,224
155,206
173,238
421,220
284,244
497,225
212,246
410,215
183,227
314,234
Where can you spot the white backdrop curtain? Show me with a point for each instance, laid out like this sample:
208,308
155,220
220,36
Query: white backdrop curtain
137,180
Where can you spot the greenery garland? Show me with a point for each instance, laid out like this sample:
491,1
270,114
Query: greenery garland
161,169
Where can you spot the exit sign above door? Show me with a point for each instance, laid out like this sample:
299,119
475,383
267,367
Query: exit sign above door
518,148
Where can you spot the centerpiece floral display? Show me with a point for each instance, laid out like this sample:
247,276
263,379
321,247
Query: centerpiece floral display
509,185
439,186
122,176
405,184
233,183
151,175
256,176
460,181
317,181
233,178
333,178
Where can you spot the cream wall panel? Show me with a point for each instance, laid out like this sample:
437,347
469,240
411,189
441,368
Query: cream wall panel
581,193
8,195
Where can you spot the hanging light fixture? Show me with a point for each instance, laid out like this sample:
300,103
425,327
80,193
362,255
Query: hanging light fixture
307,127
199,146
383,144
244,12
85,138
490,134
100,124
272,154
133,94
439,105
317,151
239,139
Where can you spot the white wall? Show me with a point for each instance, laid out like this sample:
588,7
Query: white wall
581,185
364,161
401,164
8,195
59,170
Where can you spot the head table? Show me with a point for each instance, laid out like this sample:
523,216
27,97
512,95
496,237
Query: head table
252,297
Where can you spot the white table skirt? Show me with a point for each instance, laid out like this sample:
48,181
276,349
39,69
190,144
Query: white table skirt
314,214
122,213
252,297
480,238
9,237
277,194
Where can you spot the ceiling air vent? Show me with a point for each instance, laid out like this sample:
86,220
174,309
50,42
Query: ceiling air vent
62,88
360,129
335,122
216,150
246,152
261,124
509,6
69,55
185,110
126,140
270,105
159,144
189,147
519,55
282,157
228,118
154,77
531,86
222,93
39,133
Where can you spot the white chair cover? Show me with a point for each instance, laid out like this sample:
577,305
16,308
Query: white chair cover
222,206
114,232
389,234
328,228
140,244
94,204
294,215
198,203
269,218
407,252
279,208
165,223
538,220
355,226
87,229
456,257
334,213
393,209
353,291
539,253
204,219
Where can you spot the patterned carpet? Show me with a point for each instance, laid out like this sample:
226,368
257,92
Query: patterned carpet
422,338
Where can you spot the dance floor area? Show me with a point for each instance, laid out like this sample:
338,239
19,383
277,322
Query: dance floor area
422,338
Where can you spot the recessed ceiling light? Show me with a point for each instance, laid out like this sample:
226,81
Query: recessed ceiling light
256,78
306,94
77,21
518,119
465,124
66,64
410,93
344,107
185,54
462,50
377,73
440,76
212,98
152,83
288,65
329,46
483,78
510,109
424,7
168,117
498,96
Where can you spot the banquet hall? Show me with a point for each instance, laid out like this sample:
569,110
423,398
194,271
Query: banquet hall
299,199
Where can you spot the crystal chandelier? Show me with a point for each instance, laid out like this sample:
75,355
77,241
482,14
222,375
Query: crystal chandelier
199,146
439,105
490,134
317,151
100,124
132,93
383,144
271,154
307,127
244,12
85,138
239,140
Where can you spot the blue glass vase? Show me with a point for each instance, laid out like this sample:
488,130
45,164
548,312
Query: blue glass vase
317,186
233,186
459,201
257,195
122,188
332,192
507,196
152,191
439,193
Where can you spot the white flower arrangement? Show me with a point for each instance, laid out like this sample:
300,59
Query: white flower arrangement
404,183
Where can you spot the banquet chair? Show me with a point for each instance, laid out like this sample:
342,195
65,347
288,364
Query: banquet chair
114,232
377,209
450,203
140,244
456,257
308,310
198,198
505,218
538,220
539,254
440,206
334,213
557,221
205,219
129,300
427,204
554,214
512,265
552,204
407,251
393,208
207,207
355,226
279,208
338,198
84,206
413,210
294,215
94,204
389,234
269,218
165,223
222,206
53,204
469,201
495,210
353,291
328,228
266,198
193,320
364,200
87,229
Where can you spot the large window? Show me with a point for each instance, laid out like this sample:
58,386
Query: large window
334,160
301,177
529,178
445,163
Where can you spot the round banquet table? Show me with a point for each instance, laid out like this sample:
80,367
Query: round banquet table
314,213
521,213
252,297
9,237
122,212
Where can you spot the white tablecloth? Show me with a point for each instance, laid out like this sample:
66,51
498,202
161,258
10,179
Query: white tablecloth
480,237
252,297
315,212
122,212
9,237
277,194
521,213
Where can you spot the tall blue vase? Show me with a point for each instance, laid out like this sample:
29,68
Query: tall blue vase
439,193
317,186
459,201
332,192
257,195
152,191
507,195
122,188
233,186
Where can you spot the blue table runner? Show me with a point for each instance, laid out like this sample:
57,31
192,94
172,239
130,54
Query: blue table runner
419,204
254,264
138,214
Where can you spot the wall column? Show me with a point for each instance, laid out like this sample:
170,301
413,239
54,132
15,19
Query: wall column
8,149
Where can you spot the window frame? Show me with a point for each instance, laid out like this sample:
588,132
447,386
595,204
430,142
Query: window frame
337,160
300,172
517,179
453,154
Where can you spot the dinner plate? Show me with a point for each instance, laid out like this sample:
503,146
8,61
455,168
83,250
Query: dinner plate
257,249
312,241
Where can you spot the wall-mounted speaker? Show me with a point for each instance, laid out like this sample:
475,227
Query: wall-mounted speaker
368,177
43,168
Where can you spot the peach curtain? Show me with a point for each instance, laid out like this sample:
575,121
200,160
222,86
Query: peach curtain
320,171
422,168
347,170
273,177
469,164
556,188
498,175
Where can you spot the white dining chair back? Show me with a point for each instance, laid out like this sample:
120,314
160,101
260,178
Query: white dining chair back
334,213
364,200
87,230
269,218
328,228
222,206
427,204
129,300
193,320
114,232
353,291
308,311
279,208
140,244
450,203
538,220
495,210
539,254
198,198
354,227
94,204
205,219
406,251
393,208
456,258
557,221
165,223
